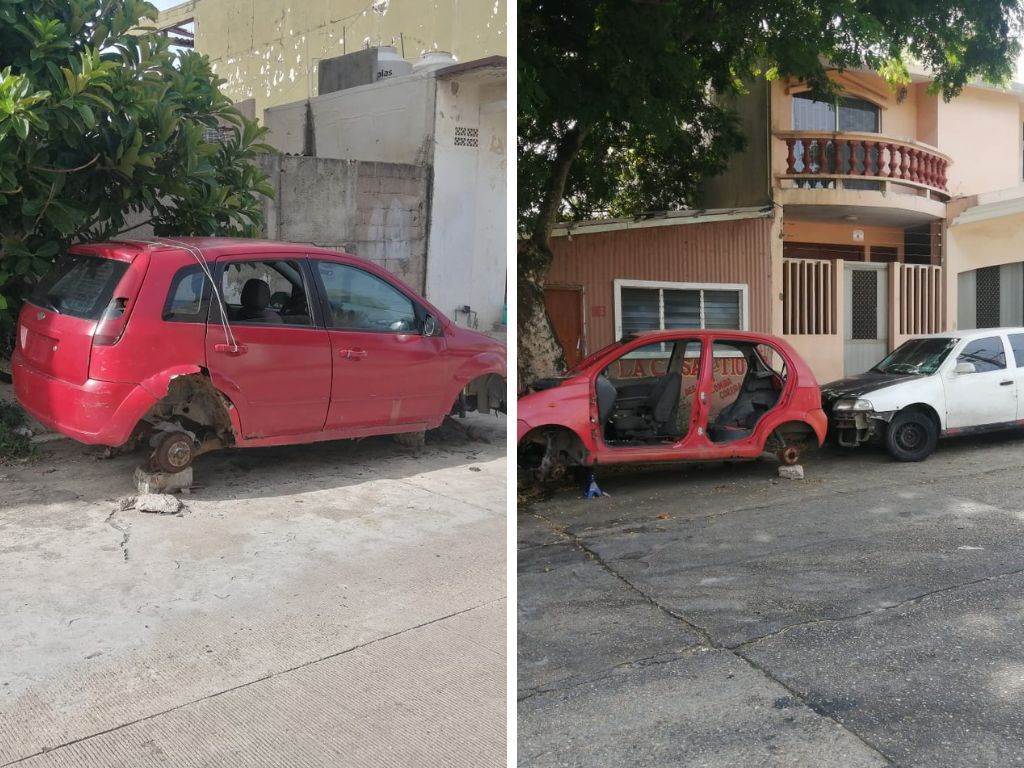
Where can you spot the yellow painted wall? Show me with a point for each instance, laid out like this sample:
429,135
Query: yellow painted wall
824,355
981,131
269,49
987,243
899,116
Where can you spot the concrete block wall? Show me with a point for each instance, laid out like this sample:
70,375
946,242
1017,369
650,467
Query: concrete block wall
375,210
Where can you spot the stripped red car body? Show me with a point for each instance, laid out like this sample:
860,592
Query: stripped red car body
301,367
564,414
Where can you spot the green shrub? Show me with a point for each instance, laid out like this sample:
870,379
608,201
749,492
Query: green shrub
102,125
13,445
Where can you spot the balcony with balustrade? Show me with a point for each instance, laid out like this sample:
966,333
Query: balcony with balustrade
877,178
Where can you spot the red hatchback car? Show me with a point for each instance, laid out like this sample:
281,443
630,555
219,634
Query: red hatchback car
201,343
682,395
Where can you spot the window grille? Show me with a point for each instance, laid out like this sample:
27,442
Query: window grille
864,297
987,299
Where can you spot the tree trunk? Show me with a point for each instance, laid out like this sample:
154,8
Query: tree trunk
539,353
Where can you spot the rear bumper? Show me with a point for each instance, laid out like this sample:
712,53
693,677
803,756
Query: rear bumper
95,412
819,423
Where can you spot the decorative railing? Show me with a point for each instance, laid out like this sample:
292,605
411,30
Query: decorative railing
808,297
818,159
920,299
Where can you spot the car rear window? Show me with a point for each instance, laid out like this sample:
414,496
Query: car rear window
78,285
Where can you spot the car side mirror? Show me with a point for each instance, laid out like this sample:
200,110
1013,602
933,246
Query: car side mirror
430,326
962,368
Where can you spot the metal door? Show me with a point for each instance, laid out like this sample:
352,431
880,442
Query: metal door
867,317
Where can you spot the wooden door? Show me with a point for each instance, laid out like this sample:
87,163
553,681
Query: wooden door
565,309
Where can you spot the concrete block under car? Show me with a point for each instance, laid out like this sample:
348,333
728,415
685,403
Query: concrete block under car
791,472
162,482
158,503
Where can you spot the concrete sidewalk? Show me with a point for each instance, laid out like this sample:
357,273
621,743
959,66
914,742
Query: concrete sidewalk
335,604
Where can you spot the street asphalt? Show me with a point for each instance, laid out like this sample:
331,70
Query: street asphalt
715,615
329,605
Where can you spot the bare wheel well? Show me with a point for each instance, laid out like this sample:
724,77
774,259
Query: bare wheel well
795,433
546,452
484,394
194,403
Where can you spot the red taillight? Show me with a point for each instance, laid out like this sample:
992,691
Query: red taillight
111,325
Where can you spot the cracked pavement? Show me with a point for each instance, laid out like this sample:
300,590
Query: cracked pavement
714,615
335,604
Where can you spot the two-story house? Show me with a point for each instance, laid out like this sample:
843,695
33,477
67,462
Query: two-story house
846,226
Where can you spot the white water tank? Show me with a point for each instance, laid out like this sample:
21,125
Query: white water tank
390,64
432,60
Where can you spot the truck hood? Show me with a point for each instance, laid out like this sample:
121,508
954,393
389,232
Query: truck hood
863,384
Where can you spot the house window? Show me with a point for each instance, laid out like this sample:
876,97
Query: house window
845,113
643,305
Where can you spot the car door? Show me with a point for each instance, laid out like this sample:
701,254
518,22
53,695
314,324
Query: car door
633,387
272,359
1016,366
387,371
988,395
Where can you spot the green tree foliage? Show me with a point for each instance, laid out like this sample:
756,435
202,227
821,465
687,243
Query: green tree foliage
101,121
621,106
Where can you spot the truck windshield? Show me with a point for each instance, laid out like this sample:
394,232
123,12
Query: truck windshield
80,286
923,356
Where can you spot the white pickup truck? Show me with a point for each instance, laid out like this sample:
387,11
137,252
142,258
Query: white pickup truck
930,387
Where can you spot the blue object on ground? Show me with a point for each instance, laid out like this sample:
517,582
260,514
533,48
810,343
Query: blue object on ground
593,491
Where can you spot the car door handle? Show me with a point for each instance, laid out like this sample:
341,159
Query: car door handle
231,349
1005,383
352,354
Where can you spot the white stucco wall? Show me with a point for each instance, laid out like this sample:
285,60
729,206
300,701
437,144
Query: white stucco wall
386,122
466,263
421,120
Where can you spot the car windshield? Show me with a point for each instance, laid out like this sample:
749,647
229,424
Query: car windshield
586,361
922,356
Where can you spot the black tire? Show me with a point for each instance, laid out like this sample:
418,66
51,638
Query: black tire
911,436
174,453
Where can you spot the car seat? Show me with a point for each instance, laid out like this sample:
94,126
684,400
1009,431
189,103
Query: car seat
606,396
255,302
656,414
738,419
